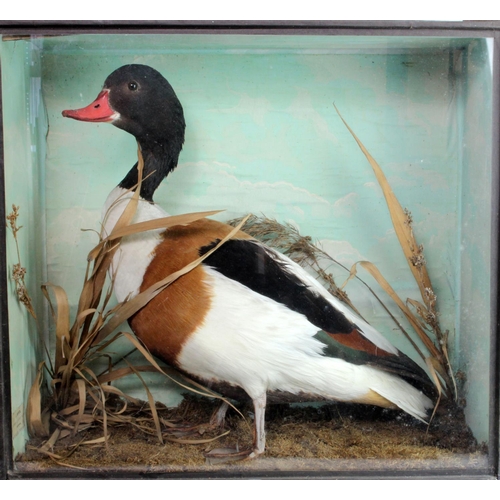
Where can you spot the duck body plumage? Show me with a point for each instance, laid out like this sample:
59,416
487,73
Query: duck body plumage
248,317
238,318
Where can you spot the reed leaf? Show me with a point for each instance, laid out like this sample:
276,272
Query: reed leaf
37,424
149,357
140,227
195,441
62,322
432,370
82,393
400,222
49,444
377,275
152,406
119,373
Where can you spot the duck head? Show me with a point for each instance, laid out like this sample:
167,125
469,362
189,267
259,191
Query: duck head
138,99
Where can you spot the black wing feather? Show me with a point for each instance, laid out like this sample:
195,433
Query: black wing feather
254,266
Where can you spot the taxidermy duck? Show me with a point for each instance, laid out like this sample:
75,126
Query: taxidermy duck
247,318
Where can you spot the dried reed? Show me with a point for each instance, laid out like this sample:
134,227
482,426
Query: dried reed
78,397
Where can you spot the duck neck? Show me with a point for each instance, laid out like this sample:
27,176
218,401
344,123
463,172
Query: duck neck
159,161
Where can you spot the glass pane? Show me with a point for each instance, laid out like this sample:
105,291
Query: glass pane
263,137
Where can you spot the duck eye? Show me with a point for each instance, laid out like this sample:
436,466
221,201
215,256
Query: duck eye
133,86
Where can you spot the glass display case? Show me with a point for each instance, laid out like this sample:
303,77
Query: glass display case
345,139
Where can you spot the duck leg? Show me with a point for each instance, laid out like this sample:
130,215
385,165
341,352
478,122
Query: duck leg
221,455
259,431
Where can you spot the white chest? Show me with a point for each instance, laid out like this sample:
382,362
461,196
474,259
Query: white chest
136,251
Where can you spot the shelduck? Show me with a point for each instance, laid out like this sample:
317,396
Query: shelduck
248,319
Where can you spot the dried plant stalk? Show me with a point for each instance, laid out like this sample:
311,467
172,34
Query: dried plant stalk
38,424
373,270
18,271
81,398
414,253
401,220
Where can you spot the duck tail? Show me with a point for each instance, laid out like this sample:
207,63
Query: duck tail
406,397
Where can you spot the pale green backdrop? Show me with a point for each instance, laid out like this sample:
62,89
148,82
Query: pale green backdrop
263,137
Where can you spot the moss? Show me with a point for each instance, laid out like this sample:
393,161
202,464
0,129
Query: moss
298,433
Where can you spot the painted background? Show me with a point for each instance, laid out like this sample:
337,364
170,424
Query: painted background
264,137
